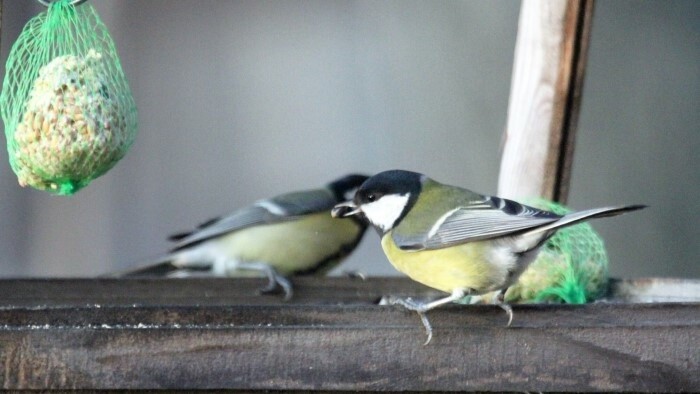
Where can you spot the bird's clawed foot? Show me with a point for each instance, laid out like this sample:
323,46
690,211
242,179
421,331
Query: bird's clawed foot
280,281
355,274
275,280
422,307
419,308
499,300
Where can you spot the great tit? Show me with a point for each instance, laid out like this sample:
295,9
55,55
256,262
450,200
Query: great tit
291,234
453,239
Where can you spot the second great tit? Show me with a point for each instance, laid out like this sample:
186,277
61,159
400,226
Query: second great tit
453,239
291,234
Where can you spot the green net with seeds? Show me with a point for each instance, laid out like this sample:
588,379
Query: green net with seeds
571,267
68,111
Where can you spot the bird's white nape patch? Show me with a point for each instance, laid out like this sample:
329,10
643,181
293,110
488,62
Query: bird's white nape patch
271,207
384,212
350,194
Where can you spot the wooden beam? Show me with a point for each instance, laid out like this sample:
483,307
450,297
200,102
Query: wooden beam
204,333
125,292
548,72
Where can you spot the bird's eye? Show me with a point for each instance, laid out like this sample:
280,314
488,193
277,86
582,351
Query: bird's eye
371,197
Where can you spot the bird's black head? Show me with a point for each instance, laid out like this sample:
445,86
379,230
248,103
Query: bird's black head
392,182
385,198
344,188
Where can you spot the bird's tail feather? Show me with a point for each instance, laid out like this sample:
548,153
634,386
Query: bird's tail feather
576,217
161,267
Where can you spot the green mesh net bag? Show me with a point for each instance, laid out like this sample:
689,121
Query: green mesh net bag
68,111
571,268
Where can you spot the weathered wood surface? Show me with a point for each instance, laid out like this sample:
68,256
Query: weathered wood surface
654,290
138,292
207,333
548,73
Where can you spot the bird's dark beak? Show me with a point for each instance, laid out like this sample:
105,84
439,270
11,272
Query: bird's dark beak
345,209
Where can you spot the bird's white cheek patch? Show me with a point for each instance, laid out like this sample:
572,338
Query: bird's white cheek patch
384,212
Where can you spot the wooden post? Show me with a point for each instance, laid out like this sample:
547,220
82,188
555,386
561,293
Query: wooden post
548,71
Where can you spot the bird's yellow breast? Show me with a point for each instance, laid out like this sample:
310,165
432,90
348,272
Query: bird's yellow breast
466,266
293,246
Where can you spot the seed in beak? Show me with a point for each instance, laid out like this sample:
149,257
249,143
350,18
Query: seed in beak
345,209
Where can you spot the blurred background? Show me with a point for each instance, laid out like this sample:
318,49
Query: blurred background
242,100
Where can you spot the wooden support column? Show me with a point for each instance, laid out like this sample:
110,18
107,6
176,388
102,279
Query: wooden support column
550,59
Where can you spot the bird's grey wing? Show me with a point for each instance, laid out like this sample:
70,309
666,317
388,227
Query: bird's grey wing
278,209
306,202
479,220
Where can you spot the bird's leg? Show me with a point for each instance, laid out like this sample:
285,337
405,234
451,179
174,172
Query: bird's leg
499,300
422,308
274,278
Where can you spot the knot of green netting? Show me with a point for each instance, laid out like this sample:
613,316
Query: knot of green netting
571,267
68,111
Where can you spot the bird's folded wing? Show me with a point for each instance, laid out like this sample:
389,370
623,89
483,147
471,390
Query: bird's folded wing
480,220
282,208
